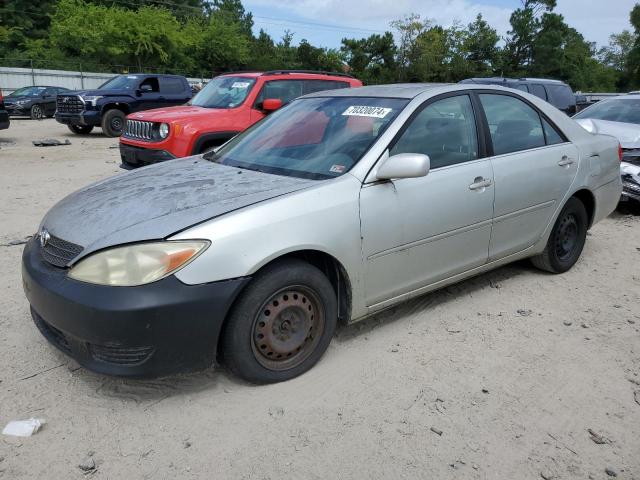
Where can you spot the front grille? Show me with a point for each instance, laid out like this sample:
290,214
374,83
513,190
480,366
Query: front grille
51,333
631,156
59,252
127,356
138,129
69,104
630,186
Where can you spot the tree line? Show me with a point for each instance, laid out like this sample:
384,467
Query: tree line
206,37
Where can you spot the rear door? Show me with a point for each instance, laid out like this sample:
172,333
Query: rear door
172,92
49,100
534,166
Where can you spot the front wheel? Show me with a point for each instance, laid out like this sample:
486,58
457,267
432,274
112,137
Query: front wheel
36,112
113,123
566,240
281,325
80,129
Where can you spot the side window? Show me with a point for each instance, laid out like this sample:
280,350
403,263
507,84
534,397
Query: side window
552,135
522,87
171,85
445,130
150,85
285,90
539,91
312,86
50,91
513,124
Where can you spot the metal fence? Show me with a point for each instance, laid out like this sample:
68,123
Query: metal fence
12,78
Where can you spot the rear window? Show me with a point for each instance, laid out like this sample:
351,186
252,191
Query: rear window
561,96
171,85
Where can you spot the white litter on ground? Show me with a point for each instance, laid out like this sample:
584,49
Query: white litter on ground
23,428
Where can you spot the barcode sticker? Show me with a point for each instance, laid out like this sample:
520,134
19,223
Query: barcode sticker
363,111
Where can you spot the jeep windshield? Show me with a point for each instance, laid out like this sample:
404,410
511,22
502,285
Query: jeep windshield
315,138
224,92
121,82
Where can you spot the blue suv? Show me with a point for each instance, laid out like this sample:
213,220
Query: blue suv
108,106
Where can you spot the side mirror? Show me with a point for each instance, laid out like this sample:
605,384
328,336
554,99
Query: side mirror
404,165
271,104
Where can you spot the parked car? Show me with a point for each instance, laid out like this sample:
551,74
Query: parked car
557,93
4,115
226,106
108,106
333,208
36,102
620,117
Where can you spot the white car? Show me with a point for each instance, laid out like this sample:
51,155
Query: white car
333,208
619,117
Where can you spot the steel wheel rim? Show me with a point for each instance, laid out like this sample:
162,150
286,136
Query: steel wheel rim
287,328
116,124
36,111
567,237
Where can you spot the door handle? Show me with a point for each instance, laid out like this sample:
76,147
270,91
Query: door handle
480,183
566,161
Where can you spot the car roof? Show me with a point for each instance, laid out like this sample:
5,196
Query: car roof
503,80
397,90
290,73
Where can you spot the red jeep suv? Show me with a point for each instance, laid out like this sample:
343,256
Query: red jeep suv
229,104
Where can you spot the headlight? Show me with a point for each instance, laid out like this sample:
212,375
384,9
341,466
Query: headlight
22,102
137,264
92,99
163,130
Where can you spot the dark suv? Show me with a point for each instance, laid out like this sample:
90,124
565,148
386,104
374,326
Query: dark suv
557,93
4,115
108,106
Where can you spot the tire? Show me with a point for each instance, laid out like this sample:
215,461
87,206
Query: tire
80,129
281,325
36,112
566,240
113,123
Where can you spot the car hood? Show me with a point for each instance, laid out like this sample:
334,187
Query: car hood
95,93
156,201
628,134
179,114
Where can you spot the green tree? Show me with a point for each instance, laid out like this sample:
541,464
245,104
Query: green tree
372,59
480,48
632,70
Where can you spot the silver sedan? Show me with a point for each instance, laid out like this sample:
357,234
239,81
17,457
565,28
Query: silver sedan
333,208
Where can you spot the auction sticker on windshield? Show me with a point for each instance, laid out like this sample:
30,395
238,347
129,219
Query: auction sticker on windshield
364,111
240,84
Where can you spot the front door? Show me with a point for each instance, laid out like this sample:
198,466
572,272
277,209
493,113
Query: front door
533,166
421,230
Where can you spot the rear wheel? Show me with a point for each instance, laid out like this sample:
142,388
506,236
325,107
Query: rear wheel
80,129
36,112
281,325
566,240
113,123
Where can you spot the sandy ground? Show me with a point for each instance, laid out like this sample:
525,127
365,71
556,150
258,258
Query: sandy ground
512,367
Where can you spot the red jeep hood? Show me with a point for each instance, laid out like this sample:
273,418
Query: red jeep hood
183,112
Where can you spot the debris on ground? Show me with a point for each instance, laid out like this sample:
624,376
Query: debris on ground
567,323
524,312
436,431
596,437
546,475
23,428
50,142
484,390
88,465
636,396
611,472
13,243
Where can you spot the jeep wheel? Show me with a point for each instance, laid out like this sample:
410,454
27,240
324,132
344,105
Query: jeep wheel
113,123
36,112
80,129
281,324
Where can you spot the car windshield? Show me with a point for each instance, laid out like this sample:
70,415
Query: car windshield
224,92
28,92
315,138
121,82
615,110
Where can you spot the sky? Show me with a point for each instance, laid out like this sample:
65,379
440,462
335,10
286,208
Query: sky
326,22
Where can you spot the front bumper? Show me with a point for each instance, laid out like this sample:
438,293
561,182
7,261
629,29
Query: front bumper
85,118
161,328
4,120
133,157
18,110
